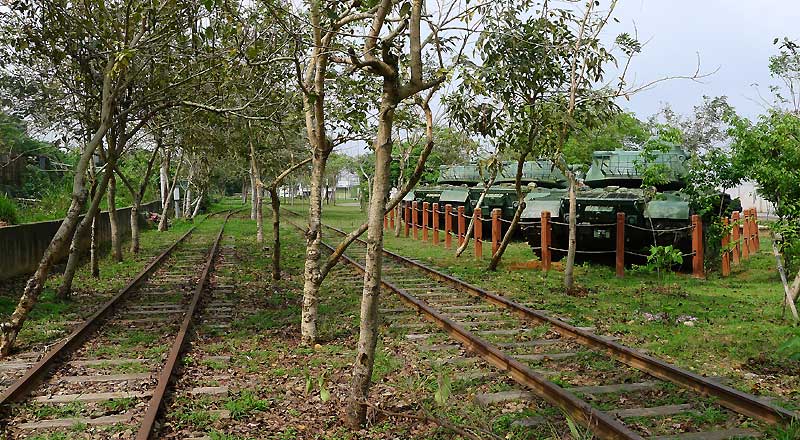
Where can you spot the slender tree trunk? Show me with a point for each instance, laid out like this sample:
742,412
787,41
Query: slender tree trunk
796,286
368,327
787,300
139,195
164,174
135,232
517,214
197,204
312,277
253,190
260,215
569,267
258,189
187,198
314,109
471,224
116,240
63,236
244,191
275,201
98,190
398,225
94,264
94,257
162,224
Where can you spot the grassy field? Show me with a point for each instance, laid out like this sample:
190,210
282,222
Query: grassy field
277,384
737,331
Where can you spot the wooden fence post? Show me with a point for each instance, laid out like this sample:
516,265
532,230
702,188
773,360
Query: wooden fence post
407,217
620,244
737,237
753,231
745,235
448,226
698,271
496,230
726,259
425,212
415,219
756,238
545,240
435,224
461,225
478,232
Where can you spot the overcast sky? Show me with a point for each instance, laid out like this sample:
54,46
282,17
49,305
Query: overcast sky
732,35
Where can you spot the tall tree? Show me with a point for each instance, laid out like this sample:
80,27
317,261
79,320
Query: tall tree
45,32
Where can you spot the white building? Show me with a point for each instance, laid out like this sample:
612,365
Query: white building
347,180
748,194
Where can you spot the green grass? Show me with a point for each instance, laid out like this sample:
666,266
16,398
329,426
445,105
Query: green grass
48,411
245,403
119,405
738,318
196,419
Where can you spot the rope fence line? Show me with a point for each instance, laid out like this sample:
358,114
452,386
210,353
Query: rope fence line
684,228
740,242
581,252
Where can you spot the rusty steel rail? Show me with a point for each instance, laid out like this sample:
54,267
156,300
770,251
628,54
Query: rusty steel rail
38,371
731,398
599,422
148,425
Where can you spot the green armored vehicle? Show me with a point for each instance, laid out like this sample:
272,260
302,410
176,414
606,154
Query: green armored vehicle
452,187
542,181
655,216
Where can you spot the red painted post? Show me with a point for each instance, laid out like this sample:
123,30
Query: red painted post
753,232
407,217
496,230
737,236
461,225
415,219
745,235
435,224
698,271
448,226
620,244
478,220
545,240
726,259
756,238
391,218
425,213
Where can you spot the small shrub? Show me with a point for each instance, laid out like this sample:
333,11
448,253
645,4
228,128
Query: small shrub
664,258
8,211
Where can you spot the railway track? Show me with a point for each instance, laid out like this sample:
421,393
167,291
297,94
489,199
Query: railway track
613,390
110,376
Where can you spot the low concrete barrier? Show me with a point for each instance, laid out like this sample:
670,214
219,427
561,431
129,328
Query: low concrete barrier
22,246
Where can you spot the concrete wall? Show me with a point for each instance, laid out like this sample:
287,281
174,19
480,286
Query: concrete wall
22,246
